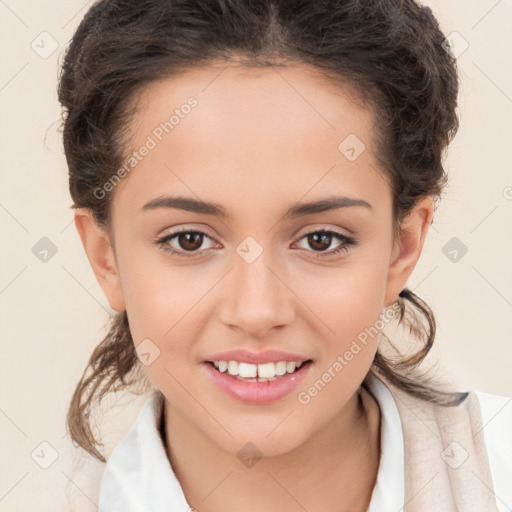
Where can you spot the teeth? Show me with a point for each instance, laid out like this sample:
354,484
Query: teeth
267,370
247,370
281,368
257,372
233,368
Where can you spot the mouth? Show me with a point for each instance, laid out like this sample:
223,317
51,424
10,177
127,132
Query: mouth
264,372
261,383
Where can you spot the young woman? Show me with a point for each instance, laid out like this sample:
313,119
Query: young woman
253,183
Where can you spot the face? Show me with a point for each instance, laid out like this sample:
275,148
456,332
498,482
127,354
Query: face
261,276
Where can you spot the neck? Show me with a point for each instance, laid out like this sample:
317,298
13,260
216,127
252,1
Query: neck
335,470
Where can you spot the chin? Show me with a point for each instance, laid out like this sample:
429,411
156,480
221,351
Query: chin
256,443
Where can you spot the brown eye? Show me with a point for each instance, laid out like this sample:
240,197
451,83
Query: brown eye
185,242
190,241
319,241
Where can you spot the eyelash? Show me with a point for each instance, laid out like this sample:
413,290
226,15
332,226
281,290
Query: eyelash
342,248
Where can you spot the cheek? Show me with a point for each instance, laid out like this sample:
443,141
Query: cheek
347,300
352,308
165,305
160,297
164,308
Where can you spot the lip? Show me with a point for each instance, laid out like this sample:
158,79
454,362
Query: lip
257,392
265,356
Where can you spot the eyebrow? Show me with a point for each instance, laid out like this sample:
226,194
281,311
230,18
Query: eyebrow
297,210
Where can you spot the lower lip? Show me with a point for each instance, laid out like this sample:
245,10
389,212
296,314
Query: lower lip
257,392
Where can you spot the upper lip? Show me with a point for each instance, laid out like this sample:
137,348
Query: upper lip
265,356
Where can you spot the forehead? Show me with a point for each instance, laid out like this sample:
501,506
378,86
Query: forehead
292,98
232,133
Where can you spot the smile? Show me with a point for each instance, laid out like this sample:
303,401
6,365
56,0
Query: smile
257,372
257,383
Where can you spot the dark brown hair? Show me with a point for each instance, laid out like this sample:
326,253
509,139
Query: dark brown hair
390,51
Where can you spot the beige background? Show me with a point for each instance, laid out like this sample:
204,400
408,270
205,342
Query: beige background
54,313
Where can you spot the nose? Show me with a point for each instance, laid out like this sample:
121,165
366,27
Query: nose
258,298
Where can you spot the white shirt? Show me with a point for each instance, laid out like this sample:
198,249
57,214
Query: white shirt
138,476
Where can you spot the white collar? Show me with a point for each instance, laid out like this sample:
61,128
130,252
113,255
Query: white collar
139,477
389,490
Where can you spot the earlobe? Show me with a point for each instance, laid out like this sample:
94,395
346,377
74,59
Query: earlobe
407,249
100,254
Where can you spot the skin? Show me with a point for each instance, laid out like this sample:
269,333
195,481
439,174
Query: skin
256,145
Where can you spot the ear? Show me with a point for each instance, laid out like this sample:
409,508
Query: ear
407,249
101,256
